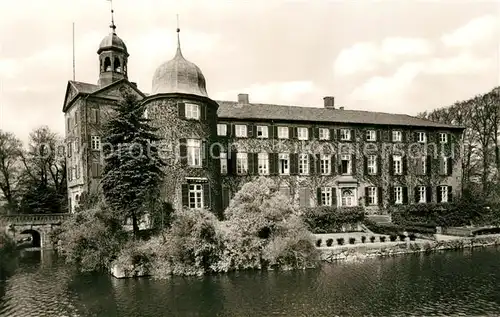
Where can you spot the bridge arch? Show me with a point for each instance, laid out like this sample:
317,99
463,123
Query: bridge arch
36,237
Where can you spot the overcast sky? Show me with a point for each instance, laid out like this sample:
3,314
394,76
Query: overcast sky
392,56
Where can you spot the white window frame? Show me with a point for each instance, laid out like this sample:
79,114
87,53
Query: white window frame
371,135
241,163
345,135
262,131
223,163
443,138
397,161
372,196
398,195
371,164
422,194
95,142
263,163
193,147
284,163
444,194
421,137
195,195
445,165
303,164
221,129
303,133
192,111
240,130
348,200
324,134
325,164
326,196
283,133
397,136
346,157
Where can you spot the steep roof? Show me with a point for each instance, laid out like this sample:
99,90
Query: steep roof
258,111
85,88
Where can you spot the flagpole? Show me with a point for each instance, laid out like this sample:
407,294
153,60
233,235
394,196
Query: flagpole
73,51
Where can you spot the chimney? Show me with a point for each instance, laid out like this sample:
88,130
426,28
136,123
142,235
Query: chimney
329,102
243,99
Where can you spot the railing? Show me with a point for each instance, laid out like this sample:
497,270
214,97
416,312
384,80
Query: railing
36,218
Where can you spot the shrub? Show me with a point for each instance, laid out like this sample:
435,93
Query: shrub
318,242
363,239
412,236
329,242
372,239
331,219
393,237
382,238
340,241
402,237
382,228
352,240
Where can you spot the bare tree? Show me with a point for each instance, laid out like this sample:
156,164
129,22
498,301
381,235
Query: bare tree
10,168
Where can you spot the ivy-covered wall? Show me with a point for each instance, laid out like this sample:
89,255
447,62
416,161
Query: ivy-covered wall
167,115
383,147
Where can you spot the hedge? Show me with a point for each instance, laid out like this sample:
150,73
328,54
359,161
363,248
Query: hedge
332,219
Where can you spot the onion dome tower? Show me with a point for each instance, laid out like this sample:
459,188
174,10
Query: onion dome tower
179,76
113,57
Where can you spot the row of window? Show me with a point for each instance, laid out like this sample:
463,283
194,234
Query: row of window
72,122
305,133
303,164
326,196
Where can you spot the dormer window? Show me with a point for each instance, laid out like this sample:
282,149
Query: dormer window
192,111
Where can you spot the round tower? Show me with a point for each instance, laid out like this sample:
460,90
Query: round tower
187,121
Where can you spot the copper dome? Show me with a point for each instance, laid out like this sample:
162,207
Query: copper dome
179,76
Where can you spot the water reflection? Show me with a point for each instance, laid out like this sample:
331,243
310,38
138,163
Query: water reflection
447,283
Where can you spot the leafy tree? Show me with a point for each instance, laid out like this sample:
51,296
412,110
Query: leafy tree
133,169
44,176
10,168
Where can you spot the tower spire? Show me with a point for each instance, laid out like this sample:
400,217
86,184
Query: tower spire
178,37
112,26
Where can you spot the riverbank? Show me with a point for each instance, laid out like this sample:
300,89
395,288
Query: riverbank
362,251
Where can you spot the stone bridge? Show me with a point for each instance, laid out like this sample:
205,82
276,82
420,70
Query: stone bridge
38,225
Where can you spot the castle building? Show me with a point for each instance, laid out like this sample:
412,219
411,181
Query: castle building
322,156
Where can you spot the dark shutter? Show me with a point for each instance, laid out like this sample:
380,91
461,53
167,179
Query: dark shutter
318,164
391,165
318,196
292,131
233,130
250,131
404,162
206,197
391,195
312,165
185,195
181,107
441,166
256,163
438,194
310,133
251,165
333,169
449,166
405,195
275,131
332,134
367,201
205,153
416,194
365,164
428,194
379,136
353,135
380,195
353,162
255,130
450,194
183,152
379,165
273,170
270,130
338,135
428,162
316,133
294,162
225,197
233,163
334,196
203,112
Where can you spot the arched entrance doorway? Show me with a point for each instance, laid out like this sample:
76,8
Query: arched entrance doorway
36,241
